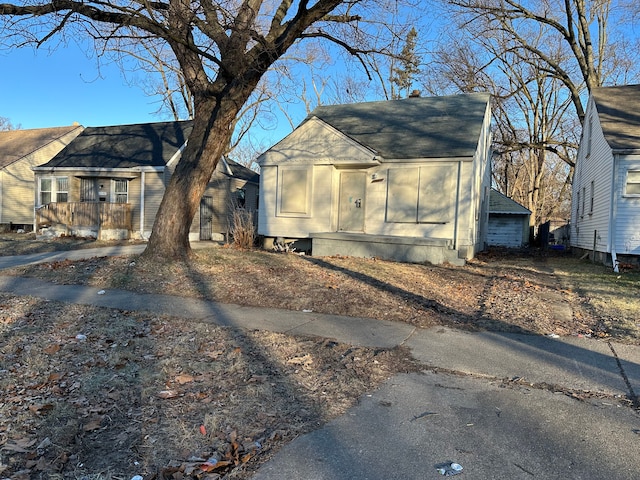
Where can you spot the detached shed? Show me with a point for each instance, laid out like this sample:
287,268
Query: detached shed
508,222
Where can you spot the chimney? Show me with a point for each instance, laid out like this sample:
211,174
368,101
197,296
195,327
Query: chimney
415,94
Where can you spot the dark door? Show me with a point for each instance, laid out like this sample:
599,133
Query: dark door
206,217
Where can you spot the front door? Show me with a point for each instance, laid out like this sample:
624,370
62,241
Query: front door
351,209
206,217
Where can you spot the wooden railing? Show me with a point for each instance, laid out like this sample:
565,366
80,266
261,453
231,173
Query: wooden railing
85,214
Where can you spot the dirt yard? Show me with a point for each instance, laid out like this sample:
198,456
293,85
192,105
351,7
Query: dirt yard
101,394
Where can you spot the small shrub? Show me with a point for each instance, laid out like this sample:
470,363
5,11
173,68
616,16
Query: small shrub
243,229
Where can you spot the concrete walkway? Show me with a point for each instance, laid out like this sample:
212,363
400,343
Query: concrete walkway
498,404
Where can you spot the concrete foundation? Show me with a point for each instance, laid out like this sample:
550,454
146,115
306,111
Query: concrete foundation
400,249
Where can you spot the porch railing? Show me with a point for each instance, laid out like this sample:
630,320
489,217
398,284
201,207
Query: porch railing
85,214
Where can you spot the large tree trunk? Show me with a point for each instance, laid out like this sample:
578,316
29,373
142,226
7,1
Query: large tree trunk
205,146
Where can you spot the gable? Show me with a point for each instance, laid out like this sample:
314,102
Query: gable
315,142
17,144
124,146
499,203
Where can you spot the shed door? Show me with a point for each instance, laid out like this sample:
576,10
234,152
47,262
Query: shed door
505,231
206,217
351,208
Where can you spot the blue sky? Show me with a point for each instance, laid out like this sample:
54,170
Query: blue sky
50,90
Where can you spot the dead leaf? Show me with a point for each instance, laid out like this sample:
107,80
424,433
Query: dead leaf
54,377
39,408
20,445
168,394
51,349
210,467
93,424
182,379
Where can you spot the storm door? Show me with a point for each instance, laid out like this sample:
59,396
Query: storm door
351,207
206,217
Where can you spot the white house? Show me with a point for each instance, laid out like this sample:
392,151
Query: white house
406,179
605,213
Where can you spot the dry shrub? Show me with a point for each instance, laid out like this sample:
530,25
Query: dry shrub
243,229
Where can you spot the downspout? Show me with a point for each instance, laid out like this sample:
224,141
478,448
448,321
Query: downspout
142,183
456,227
612,214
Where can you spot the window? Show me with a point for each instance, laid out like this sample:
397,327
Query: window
88,190
591,197
120,191
241,195
584,195
295,191
589,136
577,206
423,194
54,189
632,186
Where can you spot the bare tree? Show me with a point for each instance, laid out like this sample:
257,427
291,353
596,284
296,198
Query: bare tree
537,58
5,124
580,29
223,48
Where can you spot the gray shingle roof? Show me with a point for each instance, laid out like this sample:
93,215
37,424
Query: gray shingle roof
17,144
124,146
619,113
242,172
499,203
429,127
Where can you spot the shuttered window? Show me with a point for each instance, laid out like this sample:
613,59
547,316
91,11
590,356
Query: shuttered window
425,194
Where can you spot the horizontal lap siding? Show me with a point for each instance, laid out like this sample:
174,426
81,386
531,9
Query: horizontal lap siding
18,182
627,225
153,193
597,167
505,231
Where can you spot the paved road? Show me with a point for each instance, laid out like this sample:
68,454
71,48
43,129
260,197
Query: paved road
498,404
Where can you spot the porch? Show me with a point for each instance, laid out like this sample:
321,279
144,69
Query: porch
102,220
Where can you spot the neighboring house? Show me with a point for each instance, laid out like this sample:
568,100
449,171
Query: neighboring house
20,150
508,222
404,179
605,213
109,182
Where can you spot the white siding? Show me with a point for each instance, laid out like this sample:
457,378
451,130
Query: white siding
598,168
627,209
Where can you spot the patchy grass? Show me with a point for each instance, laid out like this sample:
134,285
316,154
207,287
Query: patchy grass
90,392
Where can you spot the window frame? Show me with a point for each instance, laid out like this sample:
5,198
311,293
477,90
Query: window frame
58,190
635,182
283,201
114,189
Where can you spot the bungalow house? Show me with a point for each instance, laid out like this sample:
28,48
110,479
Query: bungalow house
406,180
109,182
605,213
20,150
508,222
